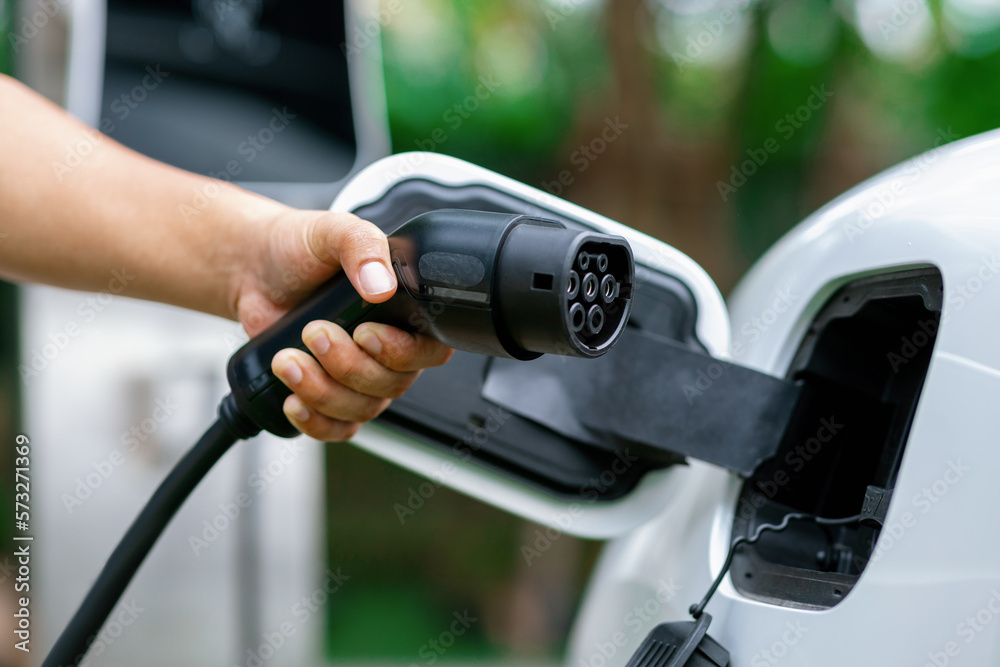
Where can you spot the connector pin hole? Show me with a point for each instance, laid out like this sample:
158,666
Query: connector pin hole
573,288
576,317
602,262
583,261
609,288
590,287
595,319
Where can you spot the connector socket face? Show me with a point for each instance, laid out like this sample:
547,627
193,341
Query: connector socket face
563,291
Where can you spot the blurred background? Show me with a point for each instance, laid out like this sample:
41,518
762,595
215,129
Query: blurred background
714,125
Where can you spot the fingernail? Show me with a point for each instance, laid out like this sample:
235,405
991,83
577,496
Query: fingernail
376,279
367,339
319,343
296,409
290,372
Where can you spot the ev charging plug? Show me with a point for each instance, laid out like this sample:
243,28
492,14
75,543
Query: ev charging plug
499,284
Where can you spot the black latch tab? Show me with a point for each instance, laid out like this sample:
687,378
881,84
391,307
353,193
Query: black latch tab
876,505
681,644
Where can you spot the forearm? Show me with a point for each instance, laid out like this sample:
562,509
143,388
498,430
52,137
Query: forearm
76,206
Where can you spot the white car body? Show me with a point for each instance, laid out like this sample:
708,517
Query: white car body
932,594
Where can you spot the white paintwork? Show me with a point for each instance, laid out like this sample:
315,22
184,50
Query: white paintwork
941,209
599,520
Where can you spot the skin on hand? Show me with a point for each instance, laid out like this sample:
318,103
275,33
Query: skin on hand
350,380
203,244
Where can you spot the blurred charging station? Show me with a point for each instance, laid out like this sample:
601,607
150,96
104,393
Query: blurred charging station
264,95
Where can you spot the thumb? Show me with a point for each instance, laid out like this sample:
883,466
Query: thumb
360,248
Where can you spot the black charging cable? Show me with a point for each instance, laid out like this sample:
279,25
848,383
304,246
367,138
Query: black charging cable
111,583
696,610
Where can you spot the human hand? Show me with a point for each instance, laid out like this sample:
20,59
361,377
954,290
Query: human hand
350,380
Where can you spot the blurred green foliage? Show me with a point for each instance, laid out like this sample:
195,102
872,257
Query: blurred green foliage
6,27
411,569
724,73
494,81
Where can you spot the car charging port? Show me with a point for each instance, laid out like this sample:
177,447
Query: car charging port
861,366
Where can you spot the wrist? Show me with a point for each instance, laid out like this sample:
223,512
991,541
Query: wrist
248,231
